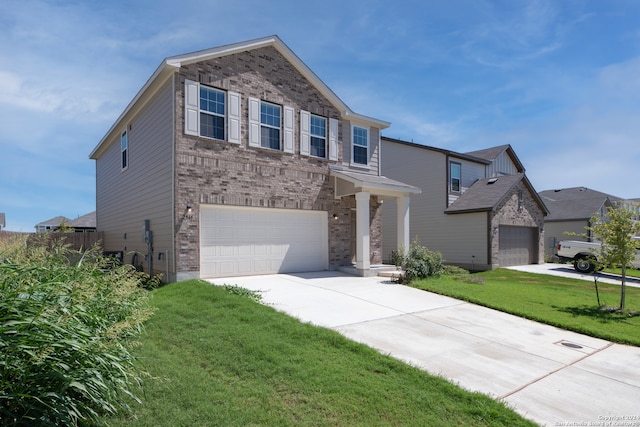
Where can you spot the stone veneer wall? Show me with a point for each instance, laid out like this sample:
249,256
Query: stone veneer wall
508,213
218,172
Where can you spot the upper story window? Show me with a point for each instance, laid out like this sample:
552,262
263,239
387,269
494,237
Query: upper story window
212,113
270,125
455,173
318,133
360,150
124,150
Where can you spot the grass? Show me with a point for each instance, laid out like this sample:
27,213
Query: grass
631,272
215,357
566,303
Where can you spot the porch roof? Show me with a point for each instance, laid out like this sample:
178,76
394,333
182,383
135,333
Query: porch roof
350,182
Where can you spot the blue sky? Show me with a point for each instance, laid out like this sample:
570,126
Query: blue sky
558,80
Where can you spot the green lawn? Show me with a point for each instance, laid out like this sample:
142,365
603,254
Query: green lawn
567,303
631,272
217,358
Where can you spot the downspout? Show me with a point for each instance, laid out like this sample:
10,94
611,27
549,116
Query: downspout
173,180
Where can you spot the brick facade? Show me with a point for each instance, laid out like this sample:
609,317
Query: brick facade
218,172
517,209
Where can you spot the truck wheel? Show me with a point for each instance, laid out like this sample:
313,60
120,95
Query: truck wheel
584,265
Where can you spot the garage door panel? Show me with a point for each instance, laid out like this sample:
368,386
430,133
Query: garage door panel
243,241
517,245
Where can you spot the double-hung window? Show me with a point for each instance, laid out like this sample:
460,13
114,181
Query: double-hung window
124,150
360,145
270,125
212,113
318,134
454,176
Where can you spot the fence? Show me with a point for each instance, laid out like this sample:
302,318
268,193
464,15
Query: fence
78,241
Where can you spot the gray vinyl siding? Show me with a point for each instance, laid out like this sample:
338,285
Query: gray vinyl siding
462,239
143,191
470,173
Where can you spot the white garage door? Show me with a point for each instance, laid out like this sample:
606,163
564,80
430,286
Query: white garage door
518,245
237,241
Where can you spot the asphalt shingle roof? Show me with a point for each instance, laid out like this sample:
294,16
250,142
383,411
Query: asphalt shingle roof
575,203
485,194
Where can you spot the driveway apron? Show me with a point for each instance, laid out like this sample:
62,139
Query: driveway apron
551,376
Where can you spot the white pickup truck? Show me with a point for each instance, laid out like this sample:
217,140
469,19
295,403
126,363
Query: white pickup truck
583,254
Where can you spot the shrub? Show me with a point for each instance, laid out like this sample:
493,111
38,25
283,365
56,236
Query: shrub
66,330
418,262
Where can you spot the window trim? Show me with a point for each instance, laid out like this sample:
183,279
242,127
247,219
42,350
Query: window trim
269,126
317,137
451,178
214,114
353,145
124,150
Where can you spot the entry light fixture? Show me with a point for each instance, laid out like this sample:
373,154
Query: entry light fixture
335,217
189,208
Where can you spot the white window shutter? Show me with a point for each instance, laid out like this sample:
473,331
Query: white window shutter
191,107
333,139
254,122
288,130
234,117
305,131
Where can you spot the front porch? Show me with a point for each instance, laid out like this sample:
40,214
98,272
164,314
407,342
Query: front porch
363,187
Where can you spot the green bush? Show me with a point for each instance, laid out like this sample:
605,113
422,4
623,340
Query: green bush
418,262
66,330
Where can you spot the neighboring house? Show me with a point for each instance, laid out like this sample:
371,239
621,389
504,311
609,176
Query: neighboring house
82,224
50,224
239,160
478,209
570,213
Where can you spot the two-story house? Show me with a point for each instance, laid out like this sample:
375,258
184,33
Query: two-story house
239,160
478,209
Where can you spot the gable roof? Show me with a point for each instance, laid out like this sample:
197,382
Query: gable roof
490,154
464,156
485,194
84,221
172,64
53,222
576,203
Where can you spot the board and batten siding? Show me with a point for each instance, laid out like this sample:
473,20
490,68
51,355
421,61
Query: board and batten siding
124,199
502,165
461,239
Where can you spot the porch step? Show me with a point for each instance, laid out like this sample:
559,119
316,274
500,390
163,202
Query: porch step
381,270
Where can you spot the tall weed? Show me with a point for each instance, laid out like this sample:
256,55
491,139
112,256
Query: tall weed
68,320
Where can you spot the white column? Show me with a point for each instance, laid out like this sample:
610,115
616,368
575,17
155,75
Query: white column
362,230
402,222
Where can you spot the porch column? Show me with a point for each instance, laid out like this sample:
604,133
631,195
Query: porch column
402,222
362,230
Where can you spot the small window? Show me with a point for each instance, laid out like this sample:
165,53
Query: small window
212,113
318,132
454,176
124,150
360,145
270,125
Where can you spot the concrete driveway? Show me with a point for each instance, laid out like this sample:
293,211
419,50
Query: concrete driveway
567,270
551,376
